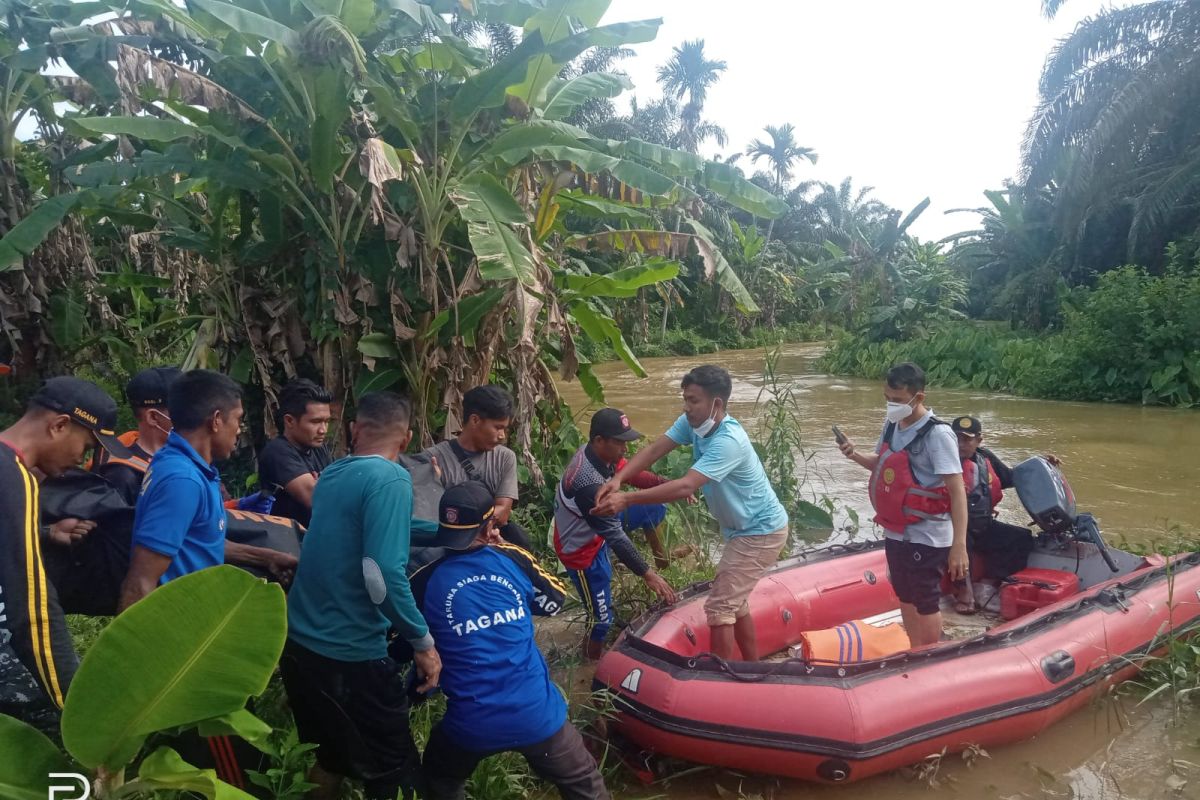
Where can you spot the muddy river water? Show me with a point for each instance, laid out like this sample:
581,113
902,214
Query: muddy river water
1134,468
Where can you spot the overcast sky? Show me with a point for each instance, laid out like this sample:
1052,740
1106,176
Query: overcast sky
919,98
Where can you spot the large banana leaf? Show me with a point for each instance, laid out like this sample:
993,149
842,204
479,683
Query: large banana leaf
511,12
618,34
489,210
177,160
726,182
154,129
673,245
468,313
577,91
30,232
487,89
534,133
27,759
249,23
555,23
195,648
630,172
721,179
611,211
623,282
601,327
716,265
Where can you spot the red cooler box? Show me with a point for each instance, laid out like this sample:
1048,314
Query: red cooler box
1031,589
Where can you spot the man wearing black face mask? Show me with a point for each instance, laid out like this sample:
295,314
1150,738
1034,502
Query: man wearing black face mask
753,521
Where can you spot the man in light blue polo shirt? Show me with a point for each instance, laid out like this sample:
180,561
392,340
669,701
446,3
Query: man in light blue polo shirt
725,466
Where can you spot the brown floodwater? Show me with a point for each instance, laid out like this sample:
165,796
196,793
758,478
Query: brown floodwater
1133,467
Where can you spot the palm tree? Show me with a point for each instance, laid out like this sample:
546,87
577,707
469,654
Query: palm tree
781,155
1118,127
688,74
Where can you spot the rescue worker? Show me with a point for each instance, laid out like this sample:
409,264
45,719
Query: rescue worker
290,464
996,549
478,453
480,598
582,539
179,523
725,465
346,692
147,396
65,419
917,491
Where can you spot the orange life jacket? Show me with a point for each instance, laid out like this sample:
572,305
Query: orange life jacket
102,458
899,500
853,642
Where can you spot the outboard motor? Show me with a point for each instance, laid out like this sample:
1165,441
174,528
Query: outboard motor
1048,498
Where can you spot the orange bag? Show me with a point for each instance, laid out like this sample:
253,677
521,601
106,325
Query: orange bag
853,642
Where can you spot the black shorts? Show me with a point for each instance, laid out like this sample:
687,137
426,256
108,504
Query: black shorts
916,572
356,712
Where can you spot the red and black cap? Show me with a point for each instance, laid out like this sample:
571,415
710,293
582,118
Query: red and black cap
464,509
87,405
612,423
967,425
148,389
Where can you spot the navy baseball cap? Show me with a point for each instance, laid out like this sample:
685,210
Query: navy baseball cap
148,389
612,423
87,405
464,509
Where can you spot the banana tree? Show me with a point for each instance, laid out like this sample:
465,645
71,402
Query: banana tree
389,213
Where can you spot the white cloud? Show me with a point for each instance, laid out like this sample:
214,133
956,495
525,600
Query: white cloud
926,98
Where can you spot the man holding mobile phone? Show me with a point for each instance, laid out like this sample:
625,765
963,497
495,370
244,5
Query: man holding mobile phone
917,492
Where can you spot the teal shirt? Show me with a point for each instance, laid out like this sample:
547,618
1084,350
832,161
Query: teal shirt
351,584
738,492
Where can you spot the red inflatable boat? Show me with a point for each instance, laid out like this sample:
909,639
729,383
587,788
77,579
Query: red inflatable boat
838,721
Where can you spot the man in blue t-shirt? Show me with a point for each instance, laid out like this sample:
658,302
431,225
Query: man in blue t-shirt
179,525
179,522
479,599
753,521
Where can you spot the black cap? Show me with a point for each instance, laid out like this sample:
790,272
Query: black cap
464,509
148,389
612,424
968,425
87,405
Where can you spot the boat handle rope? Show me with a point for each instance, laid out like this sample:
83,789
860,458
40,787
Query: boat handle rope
727,668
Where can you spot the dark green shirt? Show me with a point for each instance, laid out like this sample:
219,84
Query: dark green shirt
351,584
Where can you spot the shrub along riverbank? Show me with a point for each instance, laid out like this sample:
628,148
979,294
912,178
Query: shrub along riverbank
1134,338
689,342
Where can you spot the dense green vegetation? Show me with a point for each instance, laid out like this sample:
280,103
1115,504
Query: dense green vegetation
1130,339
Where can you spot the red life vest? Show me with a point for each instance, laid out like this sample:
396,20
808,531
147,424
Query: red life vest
899,500
983,494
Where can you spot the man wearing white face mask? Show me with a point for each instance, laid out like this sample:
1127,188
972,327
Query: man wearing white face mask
753,521
147,393
917,491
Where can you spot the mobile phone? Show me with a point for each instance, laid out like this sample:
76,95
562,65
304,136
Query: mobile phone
838,435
